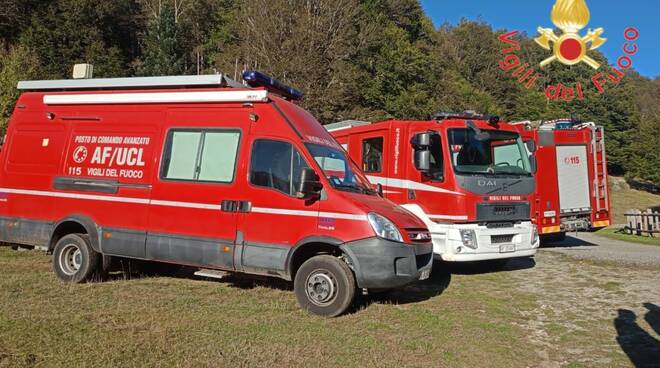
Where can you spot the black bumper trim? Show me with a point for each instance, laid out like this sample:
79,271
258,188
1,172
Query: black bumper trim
384,264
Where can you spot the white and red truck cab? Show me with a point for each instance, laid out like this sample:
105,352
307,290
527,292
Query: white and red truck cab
199,171
468,177
571,192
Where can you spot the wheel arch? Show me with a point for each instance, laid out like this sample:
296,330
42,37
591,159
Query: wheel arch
309,247
72,225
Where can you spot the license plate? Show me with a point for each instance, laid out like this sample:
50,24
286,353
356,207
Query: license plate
507,248
425,275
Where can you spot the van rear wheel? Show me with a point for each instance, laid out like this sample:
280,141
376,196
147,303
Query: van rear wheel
325,285
74,260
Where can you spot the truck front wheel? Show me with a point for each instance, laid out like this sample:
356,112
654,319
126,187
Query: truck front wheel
325,285
74,260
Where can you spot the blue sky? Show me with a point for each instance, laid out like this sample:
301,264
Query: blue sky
614,16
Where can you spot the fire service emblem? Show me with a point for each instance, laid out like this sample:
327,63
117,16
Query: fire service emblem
570,48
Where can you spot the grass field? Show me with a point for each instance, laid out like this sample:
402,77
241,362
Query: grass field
625,199
466,317
618,235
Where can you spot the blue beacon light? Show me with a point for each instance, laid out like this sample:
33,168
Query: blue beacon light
258,79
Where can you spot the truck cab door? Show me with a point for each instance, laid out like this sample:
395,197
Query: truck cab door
195,195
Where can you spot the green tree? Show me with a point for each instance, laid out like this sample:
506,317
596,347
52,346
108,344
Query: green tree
83,31
164,43
16,64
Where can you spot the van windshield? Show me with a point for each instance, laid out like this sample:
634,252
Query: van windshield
342,173
488,152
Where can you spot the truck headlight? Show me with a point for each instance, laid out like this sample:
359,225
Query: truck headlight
384,228
469,238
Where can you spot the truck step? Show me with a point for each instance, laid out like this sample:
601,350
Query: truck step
212,274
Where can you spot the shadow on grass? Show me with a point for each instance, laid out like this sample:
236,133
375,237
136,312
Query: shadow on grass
571,241
477,268
642,348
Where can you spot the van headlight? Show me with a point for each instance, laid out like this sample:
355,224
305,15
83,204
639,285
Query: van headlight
469,238
384,228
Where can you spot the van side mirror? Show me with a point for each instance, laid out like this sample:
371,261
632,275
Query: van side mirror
423,160
531,146
310,185
379,190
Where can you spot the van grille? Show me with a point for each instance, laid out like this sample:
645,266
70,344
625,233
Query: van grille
498,239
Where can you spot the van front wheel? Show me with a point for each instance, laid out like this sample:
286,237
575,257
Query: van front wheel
325,285
74,260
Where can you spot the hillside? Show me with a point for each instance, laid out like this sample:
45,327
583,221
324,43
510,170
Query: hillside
625,198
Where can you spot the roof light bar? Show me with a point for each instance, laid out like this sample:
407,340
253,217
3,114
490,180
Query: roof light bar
189,81
157,97
257,79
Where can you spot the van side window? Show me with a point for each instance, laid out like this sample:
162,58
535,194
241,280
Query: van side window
201,155
437,162
372,155
276,165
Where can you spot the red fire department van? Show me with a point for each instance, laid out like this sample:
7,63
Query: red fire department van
468,177
199,171
571,192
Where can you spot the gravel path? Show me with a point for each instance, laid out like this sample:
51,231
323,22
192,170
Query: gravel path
589,246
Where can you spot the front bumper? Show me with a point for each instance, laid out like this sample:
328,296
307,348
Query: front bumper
495,243
384,264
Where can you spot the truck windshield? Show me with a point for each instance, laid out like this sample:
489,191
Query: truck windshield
488,152
342,173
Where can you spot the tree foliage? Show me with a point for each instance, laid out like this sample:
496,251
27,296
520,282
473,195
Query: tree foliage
354,59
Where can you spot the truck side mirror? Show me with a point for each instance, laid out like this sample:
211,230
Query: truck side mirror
533,164
421,140
310,185
423,160
531,146
379,190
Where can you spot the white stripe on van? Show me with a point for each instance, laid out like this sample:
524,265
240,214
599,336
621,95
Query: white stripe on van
336,215
90,197
409,184
203,206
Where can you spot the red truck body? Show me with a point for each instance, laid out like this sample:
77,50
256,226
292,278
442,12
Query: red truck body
571,192
458,200
203,176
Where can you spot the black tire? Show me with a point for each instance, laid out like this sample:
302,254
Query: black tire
325,285
74,260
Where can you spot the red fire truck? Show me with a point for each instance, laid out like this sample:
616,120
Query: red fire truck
199,171
468,177
571,191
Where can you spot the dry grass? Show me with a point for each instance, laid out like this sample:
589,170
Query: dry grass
624,199
524,316
195,323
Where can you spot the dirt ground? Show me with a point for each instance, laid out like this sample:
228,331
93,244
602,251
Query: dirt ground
594,289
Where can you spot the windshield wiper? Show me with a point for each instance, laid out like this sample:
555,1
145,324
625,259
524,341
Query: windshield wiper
355,188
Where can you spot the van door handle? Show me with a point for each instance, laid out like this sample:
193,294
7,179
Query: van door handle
244,206
229,206
236,206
